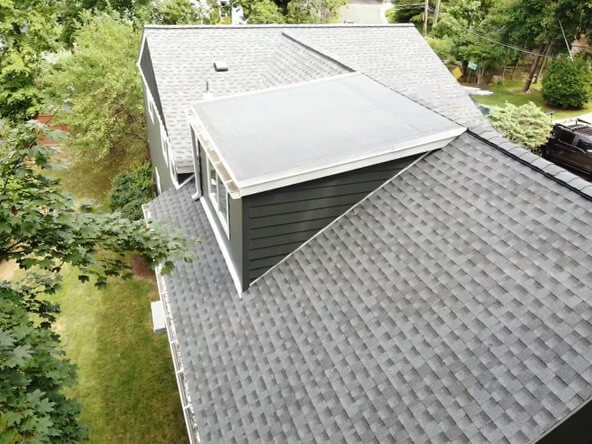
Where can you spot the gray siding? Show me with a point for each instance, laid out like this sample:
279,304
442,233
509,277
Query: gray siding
277,222
155,145
148,71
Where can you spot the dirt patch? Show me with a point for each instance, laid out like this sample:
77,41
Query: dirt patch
140,269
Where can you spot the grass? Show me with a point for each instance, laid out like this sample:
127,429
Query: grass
126,382
511,91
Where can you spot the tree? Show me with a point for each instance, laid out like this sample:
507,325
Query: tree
173,12
42,229
261,11
33,373
568,83
485,54
405,11
27,29
313,11
472,28
130,190
97,90
538,24
527,125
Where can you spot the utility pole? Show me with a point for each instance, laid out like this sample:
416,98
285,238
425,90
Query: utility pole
425,17
436,14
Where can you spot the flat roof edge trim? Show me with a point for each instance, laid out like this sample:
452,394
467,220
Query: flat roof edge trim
275,88
209,147
417,146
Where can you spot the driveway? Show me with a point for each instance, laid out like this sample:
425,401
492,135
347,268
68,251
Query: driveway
364,12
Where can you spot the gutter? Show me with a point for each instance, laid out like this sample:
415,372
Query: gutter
186,405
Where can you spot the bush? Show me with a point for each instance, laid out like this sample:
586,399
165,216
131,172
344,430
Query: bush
567,83
527,125
132,189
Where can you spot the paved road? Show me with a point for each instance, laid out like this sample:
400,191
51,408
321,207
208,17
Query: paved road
364,12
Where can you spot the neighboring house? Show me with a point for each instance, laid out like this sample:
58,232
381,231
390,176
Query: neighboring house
375,263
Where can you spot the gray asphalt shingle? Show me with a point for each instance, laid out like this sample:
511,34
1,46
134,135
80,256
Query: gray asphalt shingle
453,304
270,55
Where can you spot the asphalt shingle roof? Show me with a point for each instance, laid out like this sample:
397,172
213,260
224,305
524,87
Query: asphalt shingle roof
453,304
268,56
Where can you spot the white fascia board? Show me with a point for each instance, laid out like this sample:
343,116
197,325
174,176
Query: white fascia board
410,148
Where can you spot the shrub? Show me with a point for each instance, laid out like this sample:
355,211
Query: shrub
567,83
132,189
527,125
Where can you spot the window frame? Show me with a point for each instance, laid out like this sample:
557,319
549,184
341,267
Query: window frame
214,195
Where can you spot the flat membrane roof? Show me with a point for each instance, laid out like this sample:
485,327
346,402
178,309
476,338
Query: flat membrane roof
277,137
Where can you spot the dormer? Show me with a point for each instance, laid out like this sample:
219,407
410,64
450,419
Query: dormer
275,166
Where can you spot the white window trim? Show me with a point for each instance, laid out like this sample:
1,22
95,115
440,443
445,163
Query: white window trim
195,145
151,108
215,197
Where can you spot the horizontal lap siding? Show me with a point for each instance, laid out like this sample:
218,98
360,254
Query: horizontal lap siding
148,71
279,221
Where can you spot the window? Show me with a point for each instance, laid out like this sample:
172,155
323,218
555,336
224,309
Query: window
218,194
566,136
164,145
151,110
585,145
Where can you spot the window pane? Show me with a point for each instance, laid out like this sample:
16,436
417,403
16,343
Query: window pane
213,184
222,201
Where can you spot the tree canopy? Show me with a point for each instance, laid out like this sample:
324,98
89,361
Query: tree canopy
102,71
27,29
42,229
527,125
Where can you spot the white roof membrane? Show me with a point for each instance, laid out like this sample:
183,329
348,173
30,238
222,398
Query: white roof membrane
281,136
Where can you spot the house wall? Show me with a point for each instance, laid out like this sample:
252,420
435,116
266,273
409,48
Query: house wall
153,129
232,241
148,72
277,222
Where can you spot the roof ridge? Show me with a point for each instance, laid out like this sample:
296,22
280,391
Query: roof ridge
493,138
283,25
323,54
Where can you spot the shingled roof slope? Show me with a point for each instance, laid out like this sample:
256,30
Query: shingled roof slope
453,304
271,55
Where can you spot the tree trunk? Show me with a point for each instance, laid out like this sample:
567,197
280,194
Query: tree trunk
425,17
543,63
533,68
515,66
436,13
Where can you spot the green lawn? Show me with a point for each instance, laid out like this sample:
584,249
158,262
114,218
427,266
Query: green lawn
126,384
126,381
511,91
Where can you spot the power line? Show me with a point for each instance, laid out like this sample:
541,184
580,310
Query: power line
489,39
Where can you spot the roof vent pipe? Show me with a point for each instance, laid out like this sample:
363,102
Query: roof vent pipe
207,94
